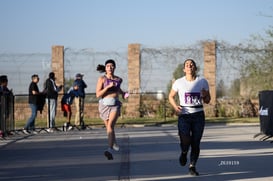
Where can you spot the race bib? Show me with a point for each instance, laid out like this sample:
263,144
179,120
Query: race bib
193,98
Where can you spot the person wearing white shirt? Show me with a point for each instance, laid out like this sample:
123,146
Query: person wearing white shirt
192,91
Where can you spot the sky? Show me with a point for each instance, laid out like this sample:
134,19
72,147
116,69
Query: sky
34,26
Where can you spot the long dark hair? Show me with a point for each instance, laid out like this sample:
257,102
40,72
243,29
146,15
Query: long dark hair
101,68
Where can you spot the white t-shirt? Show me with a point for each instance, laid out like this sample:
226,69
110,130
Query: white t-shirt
189,93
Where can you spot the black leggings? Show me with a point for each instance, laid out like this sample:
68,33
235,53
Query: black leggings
191,128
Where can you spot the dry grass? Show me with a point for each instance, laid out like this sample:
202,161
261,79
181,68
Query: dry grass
148,121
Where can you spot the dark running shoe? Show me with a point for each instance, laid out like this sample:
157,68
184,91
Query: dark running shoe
183,159
192,171
108,155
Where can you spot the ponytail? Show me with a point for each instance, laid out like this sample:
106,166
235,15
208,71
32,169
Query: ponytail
101,68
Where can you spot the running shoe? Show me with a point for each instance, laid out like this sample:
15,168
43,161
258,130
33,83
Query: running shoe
34,132
26,131
192,171
108,155
116,147
50,130
183,158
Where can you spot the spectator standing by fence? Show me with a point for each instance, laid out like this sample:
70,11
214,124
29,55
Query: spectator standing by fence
79,100
4,90
6,106
66,102
192,91
33,100
51,90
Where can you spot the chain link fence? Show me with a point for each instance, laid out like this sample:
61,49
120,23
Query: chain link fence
157,67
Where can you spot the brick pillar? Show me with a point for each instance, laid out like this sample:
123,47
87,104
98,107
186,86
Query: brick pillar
57,64
210,74
132,108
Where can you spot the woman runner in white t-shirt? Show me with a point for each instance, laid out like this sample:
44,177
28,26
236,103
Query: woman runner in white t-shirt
193,91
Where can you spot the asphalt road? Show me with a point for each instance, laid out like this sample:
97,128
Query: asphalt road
228,152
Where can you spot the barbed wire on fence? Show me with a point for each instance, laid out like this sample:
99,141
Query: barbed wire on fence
85,61
157,65
20,67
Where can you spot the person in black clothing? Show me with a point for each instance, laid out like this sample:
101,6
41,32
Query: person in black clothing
6,101
51,90
4,90
33,97
79,100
